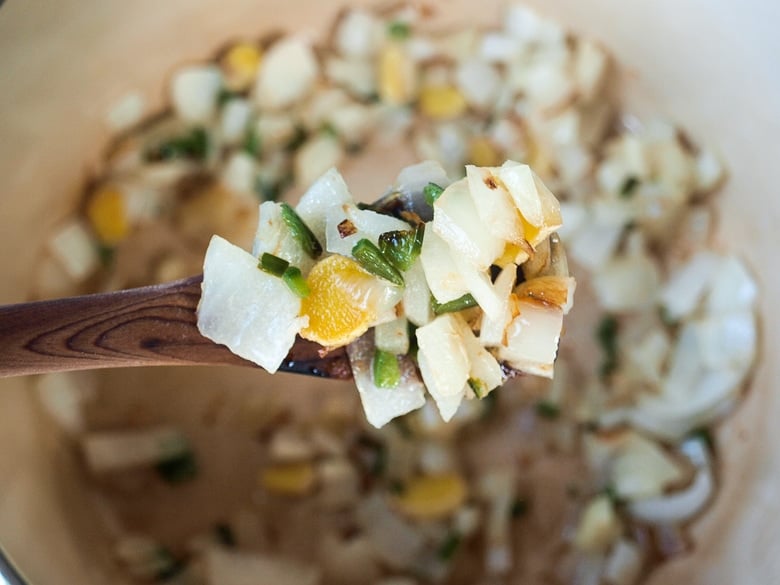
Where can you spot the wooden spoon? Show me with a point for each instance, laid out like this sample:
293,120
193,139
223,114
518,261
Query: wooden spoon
148,326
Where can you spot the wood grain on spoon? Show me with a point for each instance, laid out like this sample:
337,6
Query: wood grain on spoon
149,326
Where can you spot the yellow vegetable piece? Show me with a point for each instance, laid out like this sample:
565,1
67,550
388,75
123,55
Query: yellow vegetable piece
442,102
341,303
397,75
530,232
240,64
483,153
292,479
432,496
107,214
509,256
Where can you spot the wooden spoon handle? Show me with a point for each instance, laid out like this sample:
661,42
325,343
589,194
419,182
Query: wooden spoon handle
149,326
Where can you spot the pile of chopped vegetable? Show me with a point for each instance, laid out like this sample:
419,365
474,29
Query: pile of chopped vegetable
382,286
589,478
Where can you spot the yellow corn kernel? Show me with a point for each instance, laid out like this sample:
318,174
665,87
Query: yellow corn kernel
107,215
240,64
289,479
397,75
483,153
432,496
442,102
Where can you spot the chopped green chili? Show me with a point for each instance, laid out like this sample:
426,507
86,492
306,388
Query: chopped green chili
606,334
192,145
252,142
432,192
450,546
372,259
387,373
179,468
301,232
479,387
295,281
402,247
547,409
629,187
465,302
273,264
399,30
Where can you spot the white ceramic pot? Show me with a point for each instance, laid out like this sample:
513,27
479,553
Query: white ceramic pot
711,66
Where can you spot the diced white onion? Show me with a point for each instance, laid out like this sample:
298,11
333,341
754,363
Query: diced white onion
367,224
684,504
114,450
315,157
126,112
686,286
235,119
381,405
456,221
274,237
233,308
239,173
624,564
288,74
73,246
194,91
243,568
328,192
441,273
393,336
443,348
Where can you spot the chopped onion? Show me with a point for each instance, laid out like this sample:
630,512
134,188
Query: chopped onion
274,237
235,119
493,203
599,526
326,193
442,347
457,221
233,568
686,286
624,564
684,504
732,287
233,308
73,246
441,272
363,224
627,283
478,81
493,330
126,112
358,34
532,338
287,75
115,450
194,91
316,157
395,541
381,405
641,469
239,174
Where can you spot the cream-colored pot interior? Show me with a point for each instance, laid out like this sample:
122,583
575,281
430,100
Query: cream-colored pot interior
708,65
